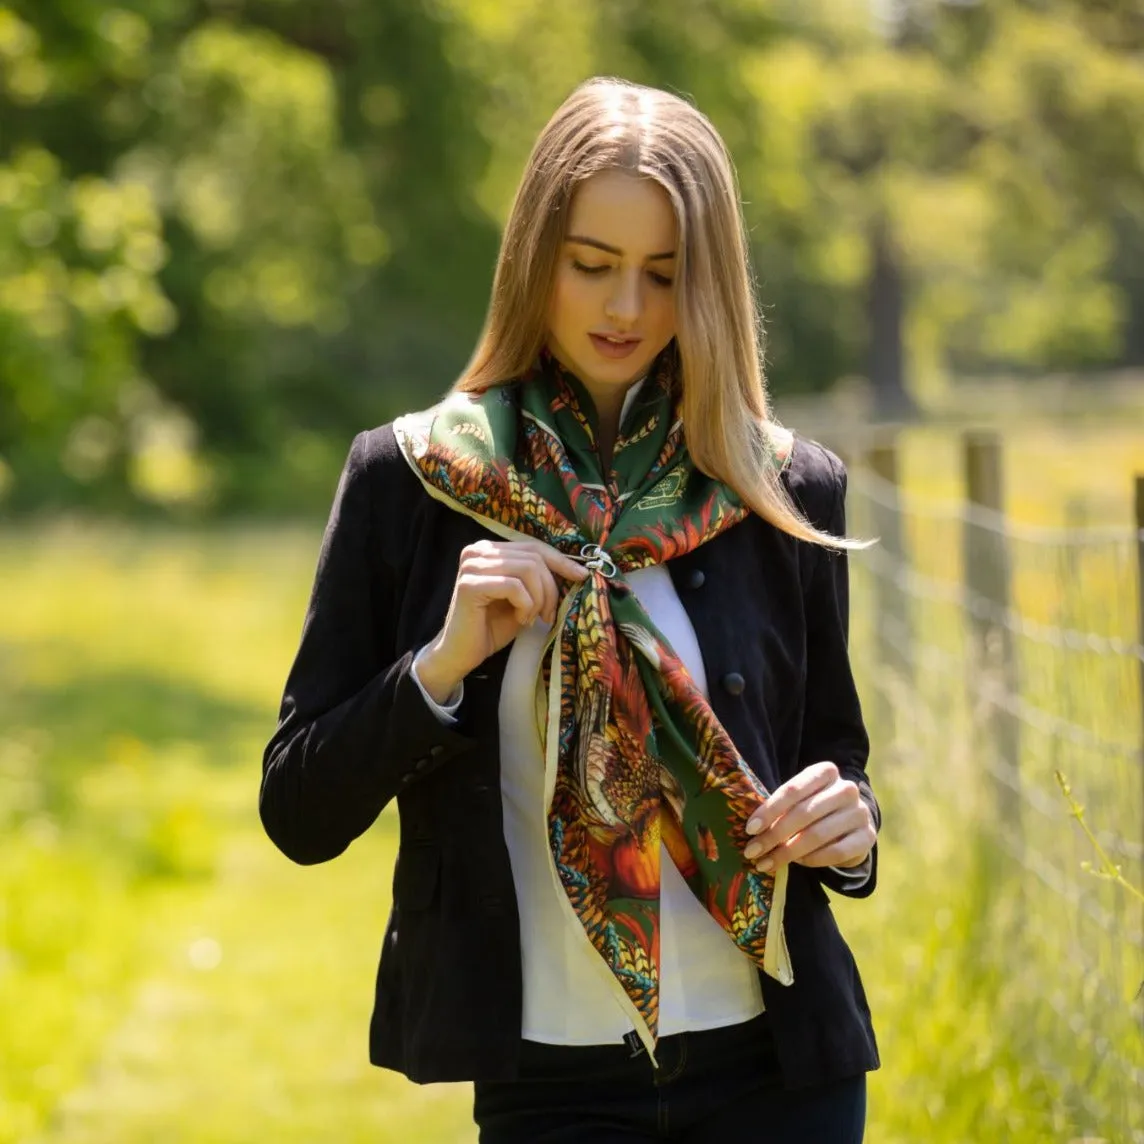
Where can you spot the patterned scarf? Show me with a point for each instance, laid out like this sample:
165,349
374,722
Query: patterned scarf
634,756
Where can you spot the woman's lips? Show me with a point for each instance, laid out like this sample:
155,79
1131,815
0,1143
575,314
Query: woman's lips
609,349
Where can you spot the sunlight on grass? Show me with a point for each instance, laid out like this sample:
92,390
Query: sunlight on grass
172,975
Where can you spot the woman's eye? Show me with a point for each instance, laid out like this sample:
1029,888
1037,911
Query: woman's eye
584,268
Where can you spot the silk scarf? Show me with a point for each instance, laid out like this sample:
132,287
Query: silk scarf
634,755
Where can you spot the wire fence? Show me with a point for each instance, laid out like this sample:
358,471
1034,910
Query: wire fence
993,655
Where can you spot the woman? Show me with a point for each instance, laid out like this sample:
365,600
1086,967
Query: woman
586,621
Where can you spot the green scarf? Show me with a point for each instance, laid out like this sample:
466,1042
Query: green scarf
634,755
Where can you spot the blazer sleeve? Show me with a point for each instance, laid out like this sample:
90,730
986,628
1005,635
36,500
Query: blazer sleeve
833,728
354,728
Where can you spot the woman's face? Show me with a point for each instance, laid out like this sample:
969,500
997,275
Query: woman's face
612,307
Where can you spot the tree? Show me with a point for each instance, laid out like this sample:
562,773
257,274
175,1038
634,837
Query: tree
233,232
961,168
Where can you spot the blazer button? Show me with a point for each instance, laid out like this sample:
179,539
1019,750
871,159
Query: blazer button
422,764
733,683
696,579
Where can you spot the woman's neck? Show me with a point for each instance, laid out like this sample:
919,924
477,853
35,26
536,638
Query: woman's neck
609,413
607,400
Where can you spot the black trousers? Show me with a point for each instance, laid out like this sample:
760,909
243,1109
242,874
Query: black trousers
713,1086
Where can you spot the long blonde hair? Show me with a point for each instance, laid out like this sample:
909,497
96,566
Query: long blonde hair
612,124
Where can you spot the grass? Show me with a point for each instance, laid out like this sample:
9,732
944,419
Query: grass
165,974
1030,965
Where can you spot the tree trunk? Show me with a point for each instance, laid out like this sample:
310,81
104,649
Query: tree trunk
886,305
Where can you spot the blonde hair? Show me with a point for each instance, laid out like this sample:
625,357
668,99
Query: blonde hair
608,124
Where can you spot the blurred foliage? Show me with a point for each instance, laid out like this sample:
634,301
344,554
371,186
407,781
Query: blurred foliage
233,232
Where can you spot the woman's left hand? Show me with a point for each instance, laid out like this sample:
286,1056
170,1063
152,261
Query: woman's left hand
816,819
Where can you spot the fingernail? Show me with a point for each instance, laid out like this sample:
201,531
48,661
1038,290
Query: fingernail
752,851
766,865
754,826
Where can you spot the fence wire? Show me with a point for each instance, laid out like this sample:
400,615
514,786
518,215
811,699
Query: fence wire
993,655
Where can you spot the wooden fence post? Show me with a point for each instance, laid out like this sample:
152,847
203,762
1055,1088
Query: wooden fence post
987,577
1139,516
893,634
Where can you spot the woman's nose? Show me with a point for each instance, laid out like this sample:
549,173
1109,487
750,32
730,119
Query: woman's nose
623,306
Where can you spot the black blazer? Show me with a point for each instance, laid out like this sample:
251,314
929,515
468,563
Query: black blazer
770,614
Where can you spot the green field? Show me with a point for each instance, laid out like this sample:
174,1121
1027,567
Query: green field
166,974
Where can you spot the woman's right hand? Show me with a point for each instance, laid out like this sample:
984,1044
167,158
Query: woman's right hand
502,586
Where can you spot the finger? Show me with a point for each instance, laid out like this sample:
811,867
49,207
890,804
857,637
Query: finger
549,593
823,833
549,589
844,837
559,562
554,563
484,589
850,850
808,781
489,554
527,566
552,590
842,796
479,548
562,564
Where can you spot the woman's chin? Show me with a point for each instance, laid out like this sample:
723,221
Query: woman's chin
608,371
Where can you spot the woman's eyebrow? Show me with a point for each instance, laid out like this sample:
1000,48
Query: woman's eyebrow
583,240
